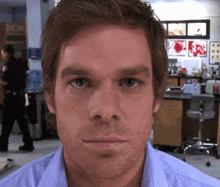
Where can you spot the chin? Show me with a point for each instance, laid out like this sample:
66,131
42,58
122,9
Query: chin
109,166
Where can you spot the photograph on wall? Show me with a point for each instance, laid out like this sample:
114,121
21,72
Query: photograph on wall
176,29
177,47
197,48
197,29
214,52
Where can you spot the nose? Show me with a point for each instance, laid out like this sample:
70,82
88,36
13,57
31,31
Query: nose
104,105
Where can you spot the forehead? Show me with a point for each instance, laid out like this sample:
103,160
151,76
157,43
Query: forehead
106,46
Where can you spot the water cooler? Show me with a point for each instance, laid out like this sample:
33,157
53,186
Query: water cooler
36,110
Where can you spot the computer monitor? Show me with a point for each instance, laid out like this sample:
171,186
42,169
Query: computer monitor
189,64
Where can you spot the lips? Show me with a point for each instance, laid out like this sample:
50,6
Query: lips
105,142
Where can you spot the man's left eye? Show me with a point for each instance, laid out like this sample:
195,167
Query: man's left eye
130,82
80,82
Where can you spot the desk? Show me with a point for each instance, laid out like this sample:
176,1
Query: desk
172,126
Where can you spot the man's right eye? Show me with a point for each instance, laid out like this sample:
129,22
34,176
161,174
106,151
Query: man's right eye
80,82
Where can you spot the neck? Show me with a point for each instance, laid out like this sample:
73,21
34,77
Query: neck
132,178
119,182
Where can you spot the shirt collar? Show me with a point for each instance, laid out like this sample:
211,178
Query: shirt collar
153,174
55,175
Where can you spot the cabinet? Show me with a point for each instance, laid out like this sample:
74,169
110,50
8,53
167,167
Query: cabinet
172,81
15,34
12,33
15,29
180,81
168,124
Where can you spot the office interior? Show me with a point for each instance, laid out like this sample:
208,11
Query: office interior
190,73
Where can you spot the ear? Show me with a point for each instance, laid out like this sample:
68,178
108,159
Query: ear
51,102
157,104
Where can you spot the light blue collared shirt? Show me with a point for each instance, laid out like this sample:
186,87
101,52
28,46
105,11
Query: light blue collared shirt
160,169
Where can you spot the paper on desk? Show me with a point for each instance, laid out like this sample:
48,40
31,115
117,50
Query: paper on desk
3,163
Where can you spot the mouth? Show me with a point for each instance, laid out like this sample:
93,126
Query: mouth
105,142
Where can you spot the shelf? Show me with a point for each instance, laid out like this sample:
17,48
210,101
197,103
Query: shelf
15,42
15,34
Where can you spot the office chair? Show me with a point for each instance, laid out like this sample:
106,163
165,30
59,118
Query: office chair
202,108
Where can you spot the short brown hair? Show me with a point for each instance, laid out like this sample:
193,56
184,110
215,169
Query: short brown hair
70,16
8,48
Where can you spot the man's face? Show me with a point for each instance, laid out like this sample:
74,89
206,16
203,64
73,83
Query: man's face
103,100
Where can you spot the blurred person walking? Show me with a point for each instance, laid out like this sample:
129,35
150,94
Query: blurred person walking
13,81
23,58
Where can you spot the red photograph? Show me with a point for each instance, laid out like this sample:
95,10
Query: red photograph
177,29
197,48
197,29
177,48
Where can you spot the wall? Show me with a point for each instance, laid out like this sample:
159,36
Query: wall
37,14
20,13
5,14
191,10
44,13
34,29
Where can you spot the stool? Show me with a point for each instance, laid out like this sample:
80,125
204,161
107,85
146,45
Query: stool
202,108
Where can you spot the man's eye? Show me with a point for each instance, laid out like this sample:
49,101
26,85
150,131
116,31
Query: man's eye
80,82
130,82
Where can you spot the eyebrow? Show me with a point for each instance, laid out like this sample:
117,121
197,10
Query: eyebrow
135,71
123,72
74,71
